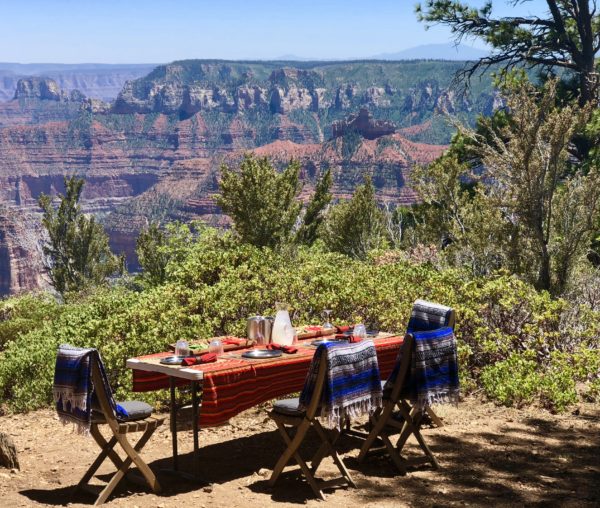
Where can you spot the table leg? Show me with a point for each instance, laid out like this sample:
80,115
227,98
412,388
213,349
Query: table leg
196,428
174,423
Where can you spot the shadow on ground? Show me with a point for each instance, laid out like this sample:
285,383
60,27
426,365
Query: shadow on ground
550,466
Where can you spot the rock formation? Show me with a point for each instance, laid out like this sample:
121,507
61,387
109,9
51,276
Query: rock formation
44,89
364,124
101,82
155,153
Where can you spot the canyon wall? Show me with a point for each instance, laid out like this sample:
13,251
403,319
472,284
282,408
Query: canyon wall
155,153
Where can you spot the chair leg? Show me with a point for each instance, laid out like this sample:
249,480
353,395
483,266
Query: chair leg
331,451
292,446
102,442
394,455
132,456
413,426
376,430
292,451
107,448
133,453
422,443
322,451
434,418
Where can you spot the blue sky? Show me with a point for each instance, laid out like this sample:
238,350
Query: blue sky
156,31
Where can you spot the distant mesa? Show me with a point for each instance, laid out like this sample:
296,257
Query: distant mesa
364,124
45,89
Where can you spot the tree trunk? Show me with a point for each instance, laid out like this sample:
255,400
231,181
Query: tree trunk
544,280
8,452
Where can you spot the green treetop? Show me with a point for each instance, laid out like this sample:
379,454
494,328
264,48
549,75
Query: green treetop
566,37
77,253
262,203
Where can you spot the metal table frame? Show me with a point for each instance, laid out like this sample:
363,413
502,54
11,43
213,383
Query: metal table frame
195,377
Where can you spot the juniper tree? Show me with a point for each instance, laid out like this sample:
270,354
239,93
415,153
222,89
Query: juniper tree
77,253
355,227
564,38
314,215
261,202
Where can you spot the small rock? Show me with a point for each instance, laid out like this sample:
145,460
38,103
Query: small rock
14,471
161,505
264,472
208,489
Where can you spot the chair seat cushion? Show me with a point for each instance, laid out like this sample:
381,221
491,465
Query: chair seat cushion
136,410
288,407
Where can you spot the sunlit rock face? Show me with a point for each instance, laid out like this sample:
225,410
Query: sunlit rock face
155,152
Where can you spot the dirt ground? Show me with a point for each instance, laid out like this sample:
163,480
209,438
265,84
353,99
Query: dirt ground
488,455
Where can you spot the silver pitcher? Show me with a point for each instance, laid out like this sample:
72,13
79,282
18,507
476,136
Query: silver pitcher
259,329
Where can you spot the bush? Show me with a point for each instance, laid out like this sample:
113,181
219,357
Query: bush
513,341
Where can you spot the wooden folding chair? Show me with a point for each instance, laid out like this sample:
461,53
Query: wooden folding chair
119,430
288,418
385,422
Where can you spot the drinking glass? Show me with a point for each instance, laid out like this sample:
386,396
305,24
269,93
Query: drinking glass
216,346
182,348
327,326
360,331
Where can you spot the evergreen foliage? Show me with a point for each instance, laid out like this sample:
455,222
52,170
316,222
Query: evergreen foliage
262,204
355,227
152,255
565,38
528,207
77,253
506,330
315,210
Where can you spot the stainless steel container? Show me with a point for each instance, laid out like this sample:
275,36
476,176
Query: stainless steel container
259,329
253,328
266,327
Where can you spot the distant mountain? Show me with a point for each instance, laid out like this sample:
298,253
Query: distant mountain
436,52
155,153
35,69
99,81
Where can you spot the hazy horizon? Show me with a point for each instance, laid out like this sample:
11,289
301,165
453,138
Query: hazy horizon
154,31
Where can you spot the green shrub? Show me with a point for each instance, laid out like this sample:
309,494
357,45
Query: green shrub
514,381
512,341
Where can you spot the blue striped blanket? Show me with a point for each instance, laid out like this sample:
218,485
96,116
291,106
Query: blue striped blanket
433,374
428,316
352,384
73,390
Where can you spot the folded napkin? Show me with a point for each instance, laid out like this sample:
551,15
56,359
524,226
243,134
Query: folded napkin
313,328
233,341
342,329
198,359
350,338
280,347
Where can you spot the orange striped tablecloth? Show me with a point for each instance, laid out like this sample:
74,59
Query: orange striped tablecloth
234,384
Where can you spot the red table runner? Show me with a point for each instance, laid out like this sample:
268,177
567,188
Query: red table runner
232,385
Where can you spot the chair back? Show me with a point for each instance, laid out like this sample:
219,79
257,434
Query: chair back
103,398
317,394
342,379
401,367
426,316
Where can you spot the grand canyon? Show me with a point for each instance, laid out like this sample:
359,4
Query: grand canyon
154,151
